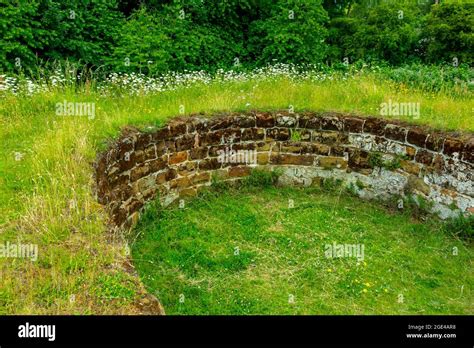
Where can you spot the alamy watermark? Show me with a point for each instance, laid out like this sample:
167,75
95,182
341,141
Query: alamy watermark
76,109
19,250
335,250
237,156
392,108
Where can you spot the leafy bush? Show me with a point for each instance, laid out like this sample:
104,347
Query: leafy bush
154,37
41,30
431,78
387,32
293,32
155,42
448,34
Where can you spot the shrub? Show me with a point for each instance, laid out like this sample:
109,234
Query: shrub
155,42
293,32
384,32
448,34
42,30
431,78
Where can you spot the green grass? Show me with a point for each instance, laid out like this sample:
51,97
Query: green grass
77,258
247,252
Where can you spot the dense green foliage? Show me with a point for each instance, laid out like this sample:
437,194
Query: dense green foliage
155,36
41,30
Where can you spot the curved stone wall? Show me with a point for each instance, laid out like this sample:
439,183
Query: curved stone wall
375,157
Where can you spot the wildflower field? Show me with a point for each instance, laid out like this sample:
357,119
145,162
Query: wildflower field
46,197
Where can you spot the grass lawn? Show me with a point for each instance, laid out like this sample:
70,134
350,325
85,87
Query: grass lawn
248,252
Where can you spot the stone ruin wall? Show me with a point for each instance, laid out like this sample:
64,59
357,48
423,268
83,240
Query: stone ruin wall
177,160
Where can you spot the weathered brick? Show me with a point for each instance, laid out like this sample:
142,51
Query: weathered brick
121,193
103,188
118,179
178,157
265,120
319,149
468,151
216,150
220,123
329,162
146,183
331,123
417,136
187,168
438,163
253,134
434,142
222,136
410,152
424,157
410,167
124,146
150,153
139,172
220,174
244,121
143,140
180,182
100,164
186,142
160,148
156,165
311,123
209,164
198,124
131,159
326,137
198,152
119,216
264,146
415,184
286,121
452,145
374,126
176,128
395,132
358,159
200,178
211,138
170,146
353,124
291,147
306,160
239,172
244,146
278,133
147,195
165,176
160,134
